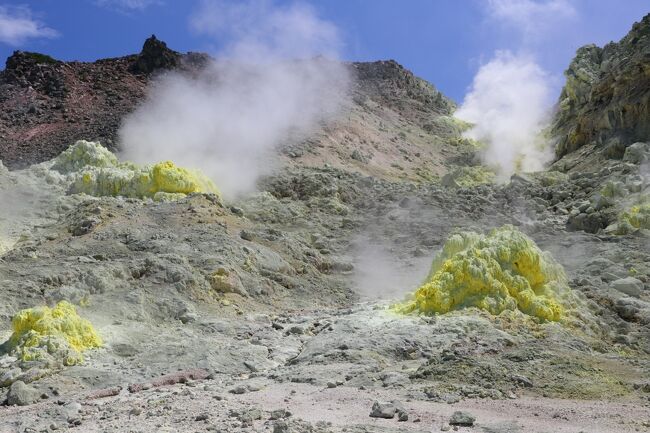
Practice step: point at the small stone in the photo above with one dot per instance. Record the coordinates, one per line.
(280, 427)
(402, 416)
(240, 389)
(462, 419)
(383, 410)
(522, 380)
(279, 414)
(21, 394)
(202, 417)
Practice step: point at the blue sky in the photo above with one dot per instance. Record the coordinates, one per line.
(443, 41)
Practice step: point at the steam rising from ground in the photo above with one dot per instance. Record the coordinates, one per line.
(509, 106)
(228, 120)
(511, 97)
(381, 273)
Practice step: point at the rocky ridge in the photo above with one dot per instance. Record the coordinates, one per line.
(605, 103)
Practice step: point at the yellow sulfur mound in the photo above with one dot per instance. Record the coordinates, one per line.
(501, 271)
(96, 171)
(57, 332)
(82, 154)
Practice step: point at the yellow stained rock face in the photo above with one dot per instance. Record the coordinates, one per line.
(501, 271)
(96, 171)
(57, 331)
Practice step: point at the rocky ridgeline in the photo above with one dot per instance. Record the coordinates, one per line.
(395, 84)
(46, 105)
(35, 70)
(606, 99)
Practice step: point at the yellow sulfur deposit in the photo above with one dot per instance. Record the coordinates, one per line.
(501, 271)
(469, 176)
(96, 171)
(83, 154)
(58, 332)
(637, 217)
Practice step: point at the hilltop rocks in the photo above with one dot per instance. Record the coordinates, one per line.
(36, 70)
(155, 55)
(392, 83)
(606, 98)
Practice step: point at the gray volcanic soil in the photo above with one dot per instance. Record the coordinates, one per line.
(296, 335)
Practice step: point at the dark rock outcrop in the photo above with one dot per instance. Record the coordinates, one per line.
(155, 55)
(606, 99)
(39, 71)
(393, 84)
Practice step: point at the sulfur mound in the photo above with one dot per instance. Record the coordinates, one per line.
(84, 154)
(501, 271)
(56, 334)
(96, 171)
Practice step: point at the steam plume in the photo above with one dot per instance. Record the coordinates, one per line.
(229, 119)
(508, 104)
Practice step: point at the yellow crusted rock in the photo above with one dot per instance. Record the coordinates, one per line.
(83, 154)
(468, 176)
(96, 171)
(58, 332)
(501, 271)
(637, 217)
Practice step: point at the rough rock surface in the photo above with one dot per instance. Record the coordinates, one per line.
(605, 103)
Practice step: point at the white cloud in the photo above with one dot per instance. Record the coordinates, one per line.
(127, 5)
(252, 29)
(509, 106)
(531, 17)
(17, 24)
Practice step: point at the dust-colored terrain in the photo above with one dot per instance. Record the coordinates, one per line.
(275, 312)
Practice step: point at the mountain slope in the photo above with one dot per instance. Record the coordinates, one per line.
(395, 125)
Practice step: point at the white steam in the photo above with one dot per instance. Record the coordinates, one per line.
(509, 105)
(381, 272)
(228, 120)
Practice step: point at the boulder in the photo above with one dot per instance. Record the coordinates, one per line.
(637, 153)
(629, 285)
(21, 394)
(463, 419)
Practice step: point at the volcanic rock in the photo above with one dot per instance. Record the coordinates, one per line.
(21, 394)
